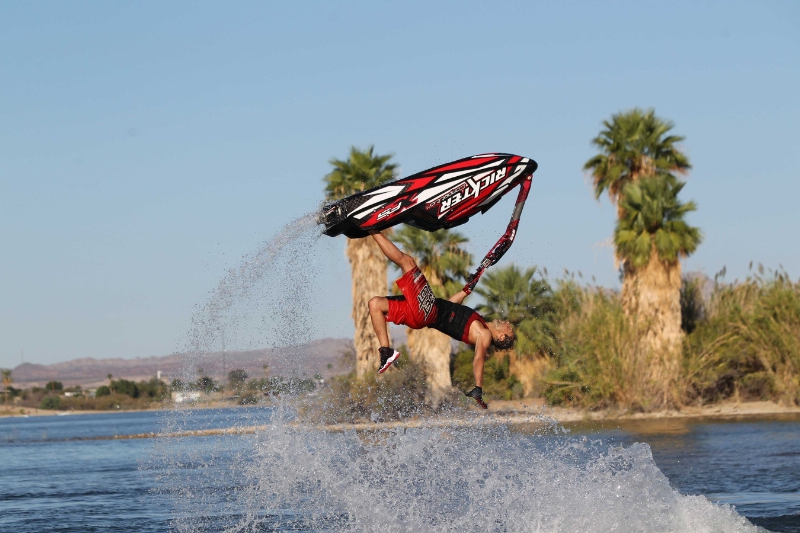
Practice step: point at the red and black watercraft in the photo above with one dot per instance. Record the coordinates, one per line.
(441, 197)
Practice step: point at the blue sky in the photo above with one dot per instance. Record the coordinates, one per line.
(146, 147)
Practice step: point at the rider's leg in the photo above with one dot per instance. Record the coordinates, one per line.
(378, 307)
(404, 261)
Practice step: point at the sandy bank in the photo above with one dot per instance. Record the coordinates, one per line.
(719, 410)
(528, 411)
(521, 412)
(35, 411)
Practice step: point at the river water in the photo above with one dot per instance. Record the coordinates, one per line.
(61, 473)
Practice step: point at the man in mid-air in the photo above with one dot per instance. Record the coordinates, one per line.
(417, 308)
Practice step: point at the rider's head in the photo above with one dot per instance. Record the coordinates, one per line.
(503, 337)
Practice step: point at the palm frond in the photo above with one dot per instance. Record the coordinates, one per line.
(524, 299)
(634, 144)
(361, 171)
(654, 220)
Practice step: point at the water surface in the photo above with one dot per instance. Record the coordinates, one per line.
(57, 476)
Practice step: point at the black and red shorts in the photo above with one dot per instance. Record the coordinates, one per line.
(417, 307)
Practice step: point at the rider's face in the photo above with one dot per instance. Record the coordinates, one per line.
(502, 327)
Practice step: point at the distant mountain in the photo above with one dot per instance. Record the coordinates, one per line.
(327, 357)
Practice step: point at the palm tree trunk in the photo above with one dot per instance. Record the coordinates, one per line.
(369, 279)
(651, 299)
(431, 348)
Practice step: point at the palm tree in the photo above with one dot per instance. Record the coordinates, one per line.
(6, 382)
(650, 239)
(636, 147)
(529, 304)
(446, 264)
(634, 144)
(110, 383)
(362, 170)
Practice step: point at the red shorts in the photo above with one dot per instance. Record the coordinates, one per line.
(417, 307)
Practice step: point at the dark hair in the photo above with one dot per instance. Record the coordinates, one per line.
(506, 343)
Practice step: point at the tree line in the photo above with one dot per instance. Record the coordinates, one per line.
(128, 394)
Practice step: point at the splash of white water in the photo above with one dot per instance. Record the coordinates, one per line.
(265, 302)
(287, 476)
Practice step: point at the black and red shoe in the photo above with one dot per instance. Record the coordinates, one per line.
(388, 356)
(477, 395)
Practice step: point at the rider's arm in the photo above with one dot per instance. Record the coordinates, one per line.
(482, 341)
(458, 297)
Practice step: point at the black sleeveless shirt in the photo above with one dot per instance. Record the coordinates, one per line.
(454, 319)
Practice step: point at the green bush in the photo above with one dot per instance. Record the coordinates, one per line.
(50, 402)
(208, 385)
(758, 386)
(250, 397)
(123, 386)
(394, 395)
(54, 386)
(154, 389)
(237, 378)
(279, 385)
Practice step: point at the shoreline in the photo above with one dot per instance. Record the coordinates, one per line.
(501, 411)
(535, 418)
(718, 410)
(531, 413)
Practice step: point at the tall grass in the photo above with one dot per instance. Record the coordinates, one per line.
(600, 355)
(742, 342)
(748, 345)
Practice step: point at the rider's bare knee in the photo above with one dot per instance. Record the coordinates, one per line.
(407, 263)
(374, 303)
